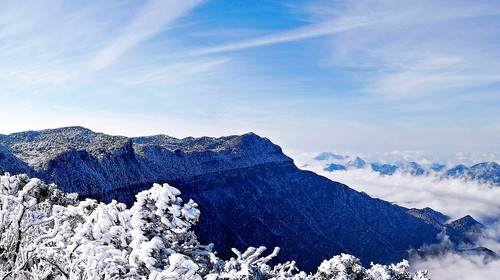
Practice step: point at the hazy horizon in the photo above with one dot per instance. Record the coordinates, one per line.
(302, 157)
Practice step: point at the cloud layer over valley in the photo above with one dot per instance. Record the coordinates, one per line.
(454, 197)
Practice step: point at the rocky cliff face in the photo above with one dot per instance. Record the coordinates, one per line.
(96, 164)
(248, 191)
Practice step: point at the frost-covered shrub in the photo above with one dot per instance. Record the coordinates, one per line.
(343, 266)
(93, 240)
(347, 267)
(46, 234)
(250, 265)
(25, 218)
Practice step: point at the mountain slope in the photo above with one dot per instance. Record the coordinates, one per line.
(249, 192)
(10, 163)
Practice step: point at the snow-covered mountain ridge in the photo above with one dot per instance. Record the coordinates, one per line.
(37, 148)
(251, 194)
(63, 155)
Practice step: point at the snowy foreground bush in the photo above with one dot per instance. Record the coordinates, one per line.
(46, 234)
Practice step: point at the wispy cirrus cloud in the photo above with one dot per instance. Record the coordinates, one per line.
(399, 50)
(439, 50)
(362, 15)
(175, 73)
(154, 17)
(50, 44)
(51, 54)
(431, 75)
(306, 32)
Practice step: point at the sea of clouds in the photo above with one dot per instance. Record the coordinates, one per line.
(451, 196)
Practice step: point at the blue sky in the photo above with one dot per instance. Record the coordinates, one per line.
(309, 75)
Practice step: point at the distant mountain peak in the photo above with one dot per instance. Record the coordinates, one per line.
(68, 129)
(356, 163)
(437, 166)
(468, 226)
(330, 156)
(487, 172)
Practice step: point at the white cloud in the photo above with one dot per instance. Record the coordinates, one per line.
(306, 32)
(154, 17)
(360, 15)
(430, 76)
(16, 20)
(453, 266)
(451, 196)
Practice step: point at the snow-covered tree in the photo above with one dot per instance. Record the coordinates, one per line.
(151, 240)
(348, 267)
(25, 217)
(163, 246)
(46, 234)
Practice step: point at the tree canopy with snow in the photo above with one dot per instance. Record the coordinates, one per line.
(48, 234)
